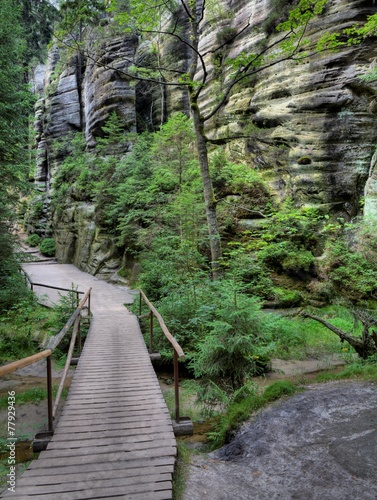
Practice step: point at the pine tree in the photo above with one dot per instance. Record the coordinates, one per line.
(15, 106)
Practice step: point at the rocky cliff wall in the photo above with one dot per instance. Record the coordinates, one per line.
(308, 127)
(314, 122)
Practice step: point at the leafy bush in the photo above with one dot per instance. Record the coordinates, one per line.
(352, 273)
(285, 256)
(287, 298)
(33, 240)
(47, 247)
(12, 285)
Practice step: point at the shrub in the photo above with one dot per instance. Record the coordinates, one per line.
(287, 298)
(33, 240)
(352, 273)
(285, 256)
(238, 343)
(47, 247)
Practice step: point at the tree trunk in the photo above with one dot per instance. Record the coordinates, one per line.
(364, 346)
(209, 199)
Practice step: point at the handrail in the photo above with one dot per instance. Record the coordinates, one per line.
(164, 328)
(178, 352)
(21, 363)
(56, 287)
(54, 342)
(33, 284)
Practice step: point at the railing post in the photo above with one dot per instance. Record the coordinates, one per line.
(49, 395)
(151, 332)
(140, 303)
(90, 293)
(79, 336)
(176, 386)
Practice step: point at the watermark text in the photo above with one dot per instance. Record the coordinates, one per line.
(11, 441)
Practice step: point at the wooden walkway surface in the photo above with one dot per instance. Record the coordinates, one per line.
(114, 438)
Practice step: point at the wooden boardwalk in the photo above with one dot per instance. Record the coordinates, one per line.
(114, 438)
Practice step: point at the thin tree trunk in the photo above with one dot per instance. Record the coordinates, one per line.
(209, 199)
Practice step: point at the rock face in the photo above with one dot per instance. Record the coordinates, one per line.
(320, 444)
(308, 127)
(314, 122)
(81, 98)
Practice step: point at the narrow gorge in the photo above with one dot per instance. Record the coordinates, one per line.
(307, 128)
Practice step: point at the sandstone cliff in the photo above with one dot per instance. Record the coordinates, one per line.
(309, 127)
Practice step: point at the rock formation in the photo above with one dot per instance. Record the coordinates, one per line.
(308, 127)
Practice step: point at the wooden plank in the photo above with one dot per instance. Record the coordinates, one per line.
(114, 433)
(150, 409)
(136, 464)
(125, 422)
(101, 392)
(97, 441)
(155, 495)
(109, 433)
(86, 493)
(116, 378)
(146, 443)
(135, 473)
(146, 401)
(114, 438)
(100, 458)
(94, 484)
(122, 422)
(86, 400)
(140, 408)
(113, 397)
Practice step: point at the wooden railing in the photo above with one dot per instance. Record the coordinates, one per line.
(178, 354)
(74, 321)
(32, 284)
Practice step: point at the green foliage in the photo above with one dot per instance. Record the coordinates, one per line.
(235, 176)
(287, 298)
(76, 16)
(361, 370)
(47, 247)
(181, 470)
(290, 237)
(12, 285)
(33, 395)
(279, 389)
(23, 326)
(15, 105)
(353, 272)
(285, 256)
(73, 177)
(226, 35)
(216, 400)
(17, 326)
(238, 342)
(158, 192)
(224, 333)
(278, 13)
(38, 18)
(33, 240)
(302, 14)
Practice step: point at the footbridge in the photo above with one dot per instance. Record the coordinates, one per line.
(114, 437)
